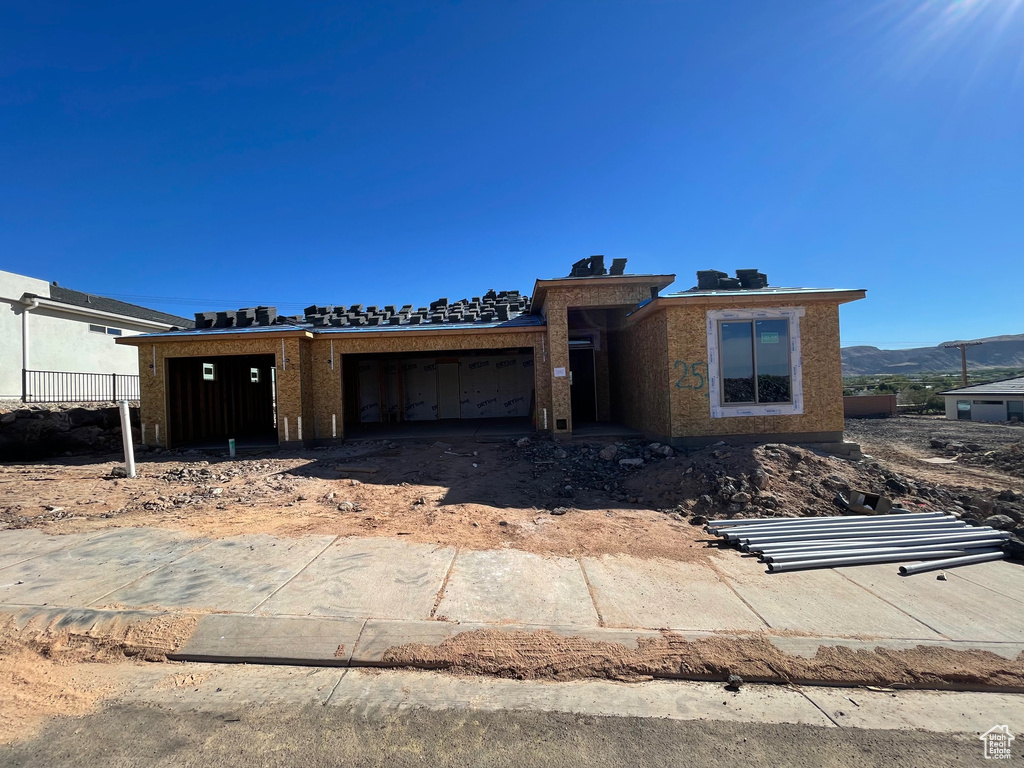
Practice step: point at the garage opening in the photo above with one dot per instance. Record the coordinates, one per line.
(213, 399)
(468, 386)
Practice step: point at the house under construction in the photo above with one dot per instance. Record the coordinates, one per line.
(731, 358)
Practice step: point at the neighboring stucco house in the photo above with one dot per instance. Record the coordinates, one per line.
(995, 401)
(45, 327)
(734, 359)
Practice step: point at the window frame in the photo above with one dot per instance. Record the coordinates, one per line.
(720, 409)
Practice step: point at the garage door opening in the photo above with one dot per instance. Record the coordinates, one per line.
(213, 399)
(426, 391)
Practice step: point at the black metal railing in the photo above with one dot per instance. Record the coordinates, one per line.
(69, 387)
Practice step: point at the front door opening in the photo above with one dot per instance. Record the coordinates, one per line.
(583, 384)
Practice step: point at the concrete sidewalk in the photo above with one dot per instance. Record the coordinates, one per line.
(300, 600)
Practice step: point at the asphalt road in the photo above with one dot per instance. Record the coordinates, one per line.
(313, 735)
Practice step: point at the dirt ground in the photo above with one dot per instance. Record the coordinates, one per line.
(42, 672)
(537, 495)
(550, 656)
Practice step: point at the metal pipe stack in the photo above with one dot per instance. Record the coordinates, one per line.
(793, 544)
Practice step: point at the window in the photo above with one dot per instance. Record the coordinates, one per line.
(208, 372)
(754, 362)
(113, 331)
(105, 330)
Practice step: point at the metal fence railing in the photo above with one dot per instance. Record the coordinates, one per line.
(69, 387)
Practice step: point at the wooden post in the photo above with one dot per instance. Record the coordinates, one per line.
(962, 346)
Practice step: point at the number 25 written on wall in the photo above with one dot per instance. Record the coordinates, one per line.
(694, 375)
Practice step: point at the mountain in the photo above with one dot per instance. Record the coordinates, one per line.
(994, 352)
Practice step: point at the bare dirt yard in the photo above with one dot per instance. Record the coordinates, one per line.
(589, 498)
(579, 498)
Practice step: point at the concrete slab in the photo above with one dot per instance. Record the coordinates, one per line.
(940, 711)
(367, 578)
(219, 688)
(630, 592)
(271, 640)
(370, 693)
(957, 608)
(79, 575)
(235, 574)
(509, 585)
(817, 602)
(1007, 579)
(807, 647)
(380, 635)
(18, 546)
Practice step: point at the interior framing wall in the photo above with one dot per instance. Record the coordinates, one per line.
(328, 387)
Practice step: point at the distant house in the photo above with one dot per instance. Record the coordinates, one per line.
(51, 337)
(730, 359)
(995, 401)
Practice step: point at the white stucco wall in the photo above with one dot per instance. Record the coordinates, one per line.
(950, 408)
(59, 340)
(12, 288)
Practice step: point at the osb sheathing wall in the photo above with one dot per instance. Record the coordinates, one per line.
(822, 375)
(327, 388)
(639, 358)
(153, 378)
(557, 302)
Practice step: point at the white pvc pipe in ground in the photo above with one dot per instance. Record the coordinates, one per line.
(126, 438)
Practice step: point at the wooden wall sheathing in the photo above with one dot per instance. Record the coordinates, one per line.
(557, 302)
(640, 374)
(153, 387)
(822, 375)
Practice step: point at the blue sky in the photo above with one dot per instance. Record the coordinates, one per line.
(207, 156)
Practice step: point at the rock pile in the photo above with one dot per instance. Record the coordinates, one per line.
(600, 468)
(42, 431)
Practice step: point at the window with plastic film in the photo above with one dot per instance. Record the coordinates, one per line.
(755, 363)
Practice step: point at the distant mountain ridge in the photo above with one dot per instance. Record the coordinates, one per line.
(994, 352)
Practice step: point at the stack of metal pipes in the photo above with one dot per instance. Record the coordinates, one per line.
(939, 539)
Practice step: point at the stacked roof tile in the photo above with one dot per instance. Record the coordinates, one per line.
(492, 307)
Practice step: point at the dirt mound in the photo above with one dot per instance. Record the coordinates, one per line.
(113, 639)
(547, 655)
(38, 677)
